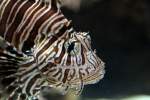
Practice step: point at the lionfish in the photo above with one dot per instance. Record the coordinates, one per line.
(39, 48)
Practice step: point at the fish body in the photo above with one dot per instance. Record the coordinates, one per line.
(39, 47)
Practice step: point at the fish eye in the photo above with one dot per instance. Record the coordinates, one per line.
(72, 48)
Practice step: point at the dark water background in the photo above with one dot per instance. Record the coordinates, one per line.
(120, 31)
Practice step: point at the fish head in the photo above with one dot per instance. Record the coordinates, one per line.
(75, 63)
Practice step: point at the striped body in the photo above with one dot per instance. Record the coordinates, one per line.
(23, 20)
(53, 53)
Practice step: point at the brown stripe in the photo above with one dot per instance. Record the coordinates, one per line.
(51, 41)
(92, 63)
(39, 13)
(32, 81)
(54, 4)
(87, 70)
(68, 60)
(81, 74)
(47, 67)
(56, 29)
(37, 26)
(16, 35)
(51, 70)
(16, 22)
(72, 75)
(5, 17)
(46, 47)
(50, 20)
(14, 12)
(30, 64)
(59, 59)
(65, 75)
(59, 72)
(82, 54)
(54, 22)
(54, 38)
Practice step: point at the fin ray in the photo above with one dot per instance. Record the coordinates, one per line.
(10, 61)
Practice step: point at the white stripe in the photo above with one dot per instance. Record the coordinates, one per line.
(33, 86)
(27, 15)
(60, 23)
(48, 23)
(32, 75)
(70, 30)
(49, 50)
(60, 45)
(42, 66)
(3, 7)
(58, 75)
(31, 25)
(18, 96)
(41, 46)
(29, 73)
(11, 12)
(64, 59)
(38, 92)
(13, 93)
(79, 59)
(21, 69)
(14, 17)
